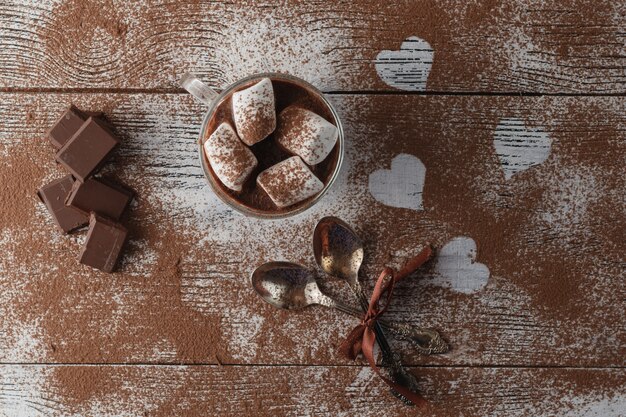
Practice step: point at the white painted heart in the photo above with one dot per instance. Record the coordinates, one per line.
(402, 185)
(457, 269)
(519, 147)
(408, 68)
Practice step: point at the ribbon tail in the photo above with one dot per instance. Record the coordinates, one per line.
(362, 338)
(352, 344)
(369, 339)
(414, 263)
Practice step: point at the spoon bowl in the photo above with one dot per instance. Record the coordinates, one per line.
(286, 285)
(338, 249)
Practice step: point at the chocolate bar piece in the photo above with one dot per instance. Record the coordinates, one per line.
(68, 124)
(104, 243)
(53, 195)
(100, 196)
(86, 151)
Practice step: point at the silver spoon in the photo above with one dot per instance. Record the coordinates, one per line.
(291, 286)
(339, 251)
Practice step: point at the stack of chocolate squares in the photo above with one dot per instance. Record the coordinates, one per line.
(84, 141)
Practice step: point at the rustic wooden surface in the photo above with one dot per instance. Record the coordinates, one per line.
(569, 47)
(539, 330)
(245, 390)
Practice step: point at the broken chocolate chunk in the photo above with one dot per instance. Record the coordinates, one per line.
(87, 150)
(100, 196)
(64, 128)
(53, 195)
(104, 243)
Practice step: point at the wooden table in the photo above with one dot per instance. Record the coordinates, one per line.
(497, 129)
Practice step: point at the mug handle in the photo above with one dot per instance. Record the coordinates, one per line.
(198, 89)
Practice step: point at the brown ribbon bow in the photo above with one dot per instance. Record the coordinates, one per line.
(362, 338)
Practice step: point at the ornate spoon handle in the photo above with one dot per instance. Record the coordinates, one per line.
(427, 341)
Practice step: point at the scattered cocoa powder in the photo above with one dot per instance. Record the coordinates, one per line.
(571, 275)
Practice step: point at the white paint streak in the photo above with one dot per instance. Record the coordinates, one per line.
(401, 186)
(308, 48)
(362, 383)
(407, 68)
(241, 326)
(525, 57)
(134, 398)
(457, 268)
(519, 147)
(23, 392)
(24, 341)
(330, 327)
(595, 406)
(567, 197)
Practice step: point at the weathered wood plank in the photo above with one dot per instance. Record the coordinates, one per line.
(290, 391)
(551, 237)
(569, 46)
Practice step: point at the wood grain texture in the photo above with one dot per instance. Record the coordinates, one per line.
(570, 46)
(523, 197)
(320, 391)
(182, 294)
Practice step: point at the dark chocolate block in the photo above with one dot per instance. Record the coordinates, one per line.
(68, 124)
(102, 197)
(104, 243)
(53, 196)
(87, 150)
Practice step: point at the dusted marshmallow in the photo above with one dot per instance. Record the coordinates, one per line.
(289, 182)
(230, 159)
(254, 112)
(306, 134)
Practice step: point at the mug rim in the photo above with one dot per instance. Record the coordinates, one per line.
(227, 198)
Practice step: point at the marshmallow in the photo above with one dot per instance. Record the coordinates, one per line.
(306, 134)
(230, 159)
(254, 112)
(289, 182)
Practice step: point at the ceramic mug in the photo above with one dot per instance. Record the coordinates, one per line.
(212, 99)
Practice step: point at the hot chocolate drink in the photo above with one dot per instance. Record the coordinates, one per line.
(287, 127)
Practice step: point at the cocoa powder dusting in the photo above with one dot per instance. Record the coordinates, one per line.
(295, 123)
(149, 312)
(554, 250)
(296, 133)
(255, 118)
(141, 312)
(267, 151)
